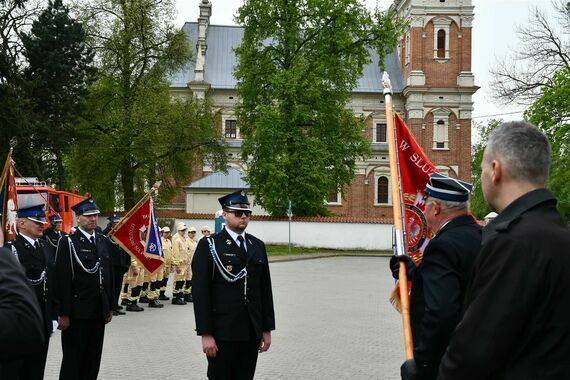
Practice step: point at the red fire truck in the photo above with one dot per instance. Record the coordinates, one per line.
(31, 191)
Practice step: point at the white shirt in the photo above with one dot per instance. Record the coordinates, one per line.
(88, 236)
(30, 240)
(235, 235)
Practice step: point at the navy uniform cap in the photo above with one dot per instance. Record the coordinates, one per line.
(448, 189)
(34, 213)
(86, 207)
(235, 201)
(114, 218)
(55, 218)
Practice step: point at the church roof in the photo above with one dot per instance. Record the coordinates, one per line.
(219, 180)
(221, 61)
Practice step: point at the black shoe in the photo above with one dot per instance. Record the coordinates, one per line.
(118, 312)
(155, 304)
(119, 308)
(144, 299)
(124, 302)
(134, 307)
(188, 298)
(178, 301)
(163, 297)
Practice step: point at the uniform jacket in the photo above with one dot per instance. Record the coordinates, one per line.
(35, 261)
(438, 289)
(220, 308)
(21, 323)
(180, 250)
(119, 258)
(167, 248)
(515, 324)
(80, 294)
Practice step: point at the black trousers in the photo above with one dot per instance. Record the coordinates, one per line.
(82, 345)
(118, 273)
(234, 360)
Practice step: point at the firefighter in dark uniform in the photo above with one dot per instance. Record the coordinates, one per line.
(34, 257)
(233, 301)
(121, 262)
(54, 232)
(84, 293)
(439, 282)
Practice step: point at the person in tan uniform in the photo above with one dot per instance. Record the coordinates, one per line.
(135, 279)
(167, 248)
(188, 277)
(180, 254)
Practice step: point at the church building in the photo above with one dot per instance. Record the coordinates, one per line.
(433, 87)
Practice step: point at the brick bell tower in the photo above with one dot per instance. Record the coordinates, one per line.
(435, 56)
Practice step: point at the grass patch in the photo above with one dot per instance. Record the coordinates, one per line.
(282, 250)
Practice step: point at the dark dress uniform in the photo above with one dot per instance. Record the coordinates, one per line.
(84, 289)
(234, 313)
(516, 322)
(35, 261)
(22, 329)
(121, 262)
(438, 289)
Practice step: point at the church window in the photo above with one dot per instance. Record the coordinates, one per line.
(440, 140)
(382, 190)
(441, 43)
(334, 197)
(380, 132)
(230, 129)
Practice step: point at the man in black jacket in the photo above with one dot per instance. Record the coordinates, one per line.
(517, 307)
(84, 293)
(233, 301)
(22, 329)
(34, 257)
(120, 261)
(439, 282)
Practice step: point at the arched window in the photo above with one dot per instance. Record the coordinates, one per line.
(441, 43)
(382, 190)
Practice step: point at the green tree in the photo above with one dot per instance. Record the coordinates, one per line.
(58, 73)
(15, 17)
(135, 133)
(297, 64)
(551, 113)
(479, 206)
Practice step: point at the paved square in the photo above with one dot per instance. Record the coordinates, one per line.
(333, 321)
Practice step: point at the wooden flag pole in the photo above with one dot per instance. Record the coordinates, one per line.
(397, 215)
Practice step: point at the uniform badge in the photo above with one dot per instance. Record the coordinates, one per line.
(228, 242)
(229, 268)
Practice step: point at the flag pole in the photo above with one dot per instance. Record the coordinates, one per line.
(397, 215)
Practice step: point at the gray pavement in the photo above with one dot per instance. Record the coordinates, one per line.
(333, 322)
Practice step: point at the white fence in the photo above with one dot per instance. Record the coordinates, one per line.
(347, 236)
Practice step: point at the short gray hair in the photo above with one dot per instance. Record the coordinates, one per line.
(450, 205)
(524, 150)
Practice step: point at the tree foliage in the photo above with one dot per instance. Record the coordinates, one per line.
(479, 206)
(544, 49)
(297, 64)
(57, 76)
(551, 112)
(135, 133)
(15, 17)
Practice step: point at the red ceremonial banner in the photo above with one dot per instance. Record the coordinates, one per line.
(132, 233)
(415, 169)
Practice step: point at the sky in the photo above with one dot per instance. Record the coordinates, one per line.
(494, 34)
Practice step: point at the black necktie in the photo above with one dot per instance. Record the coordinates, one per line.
(36, 245)
(92, 240)
(242, 246)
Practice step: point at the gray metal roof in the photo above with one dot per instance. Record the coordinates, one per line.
(221, 61)
(220, 180)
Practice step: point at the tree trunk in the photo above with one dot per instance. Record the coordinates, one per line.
(128, 184)
(60, 171)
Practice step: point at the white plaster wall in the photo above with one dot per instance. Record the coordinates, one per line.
(345, 236)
